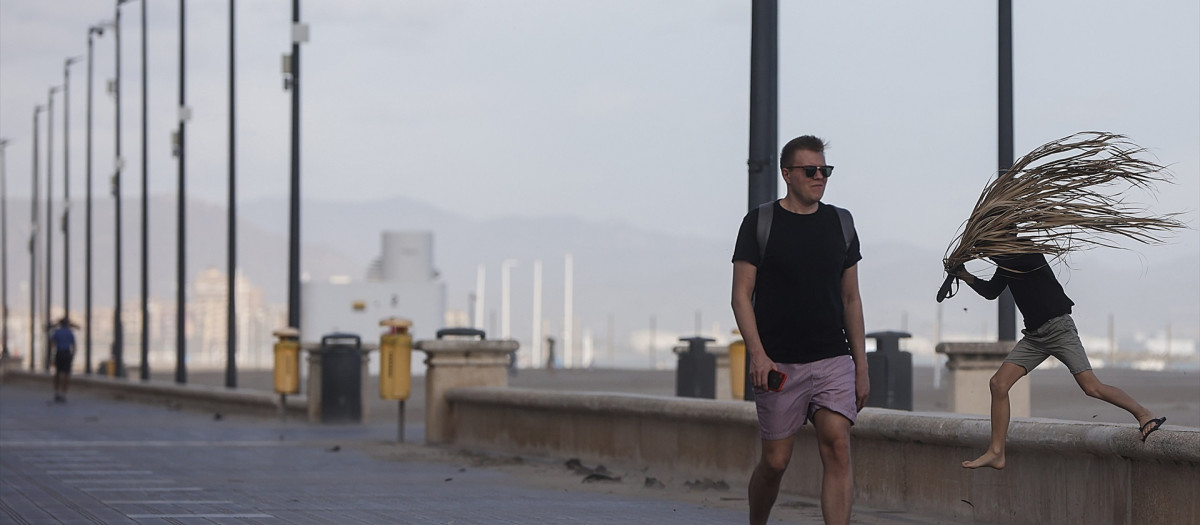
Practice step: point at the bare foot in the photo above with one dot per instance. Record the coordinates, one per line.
(988, 459)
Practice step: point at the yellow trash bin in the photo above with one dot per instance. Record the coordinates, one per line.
(287, 361)
(395, 359)
(737, 367)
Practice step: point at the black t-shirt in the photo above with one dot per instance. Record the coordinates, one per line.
(798, 288)
(1036, 291)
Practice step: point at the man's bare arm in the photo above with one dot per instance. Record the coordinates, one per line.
(744, 276)
(852, 317)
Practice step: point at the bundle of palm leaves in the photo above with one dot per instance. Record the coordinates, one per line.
(1066, 195)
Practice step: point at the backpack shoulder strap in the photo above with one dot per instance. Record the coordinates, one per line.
(766, 211)
(847, 225)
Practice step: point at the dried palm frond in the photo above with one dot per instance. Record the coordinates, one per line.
(1066, 195)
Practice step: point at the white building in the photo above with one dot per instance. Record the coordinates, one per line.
(400, 283)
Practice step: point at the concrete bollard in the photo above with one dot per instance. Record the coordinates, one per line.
(452, 363)
(971, 365)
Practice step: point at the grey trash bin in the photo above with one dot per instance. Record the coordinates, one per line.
(341, 378)
(890, 372)
(696, 372)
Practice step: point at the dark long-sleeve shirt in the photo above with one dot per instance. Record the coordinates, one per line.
(1035, 289)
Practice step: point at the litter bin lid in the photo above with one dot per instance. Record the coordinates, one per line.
(341, 339)
(698, 338)
(468, 332)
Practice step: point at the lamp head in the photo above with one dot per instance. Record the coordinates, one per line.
(72, 60)
(98, 29)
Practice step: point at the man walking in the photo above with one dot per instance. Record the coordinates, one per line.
(63, 342)
(797, 305)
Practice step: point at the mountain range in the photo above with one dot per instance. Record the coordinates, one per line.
(628, 282)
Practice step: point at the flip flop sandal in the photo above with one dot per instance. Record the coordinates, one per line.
(1158, 422)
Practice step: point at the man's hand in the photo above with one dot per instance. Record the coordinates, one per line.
(760, 367)
(961, 272)
(862, 386)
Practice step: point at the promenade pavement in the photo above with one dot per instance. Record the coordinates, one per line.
(99, 460)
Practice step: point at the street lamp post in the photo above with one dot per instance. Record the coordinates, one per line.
(66, 215)
(181, 225)
(145, 342)
(764, 102)
(231, 251)
(4, 243)
(299, 35)
(94, 31)
(1006, 313)
(118, 344)
(49, 218)
(34, 286)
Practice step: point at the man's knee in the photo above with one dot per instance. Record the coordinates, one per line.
(775, 459)
(999, 385)
(836, 448)
(773, 465)
(833, 436)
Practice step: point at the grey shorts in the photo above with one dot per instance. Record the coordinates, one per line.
(828, 384)
(1058, 337)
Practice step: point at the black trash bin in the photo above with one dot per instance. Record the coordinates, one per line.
(341, 378)
(696, 372)
(890, 372)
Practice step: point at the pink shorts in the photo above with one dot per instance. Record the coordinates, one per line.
(828, 384)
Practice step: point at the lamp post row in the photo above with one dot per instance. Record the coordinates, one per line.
(117, 360)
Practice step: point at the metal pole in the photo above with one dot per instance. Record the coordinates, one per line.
(66, 215)
(294, 219)
(34, 285)
(1007, 315)
(49, 297)
(764, 105)
(764, 116)
(181, 217)
(400, 424)
(4, 243)
(145, 365)
(87, 233)
(118, 350)
(231, 251)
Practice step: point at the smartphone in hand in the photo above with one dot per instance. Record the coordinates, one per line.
(775, 380)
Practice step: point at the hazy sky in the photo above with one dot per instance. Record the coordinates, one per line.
(633, 111)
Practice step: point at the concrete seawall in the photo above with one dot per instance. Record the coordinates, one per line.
(191, 397)
(1058, 471)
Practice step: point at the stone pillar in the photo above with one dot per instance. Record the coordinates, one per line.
(971, 366)
(452, 363)
(9, 362)
(313, 383)
(724, 388)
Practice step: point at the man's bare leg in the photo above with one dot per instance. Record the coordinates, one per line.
(1092, 386)
(837, 478)
(764, 483)
(1000, 383)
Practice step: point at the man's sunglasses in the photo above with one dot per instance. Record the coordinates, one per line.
(811, 171)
